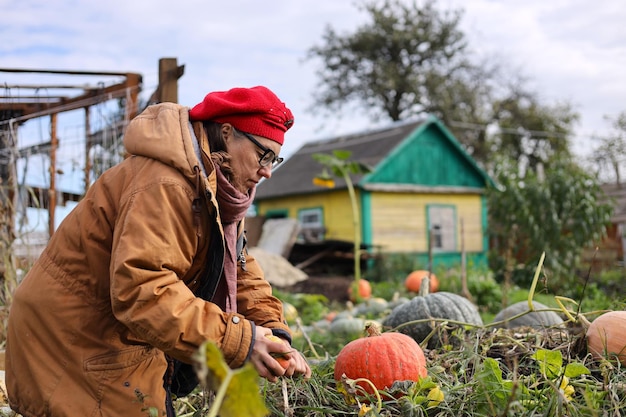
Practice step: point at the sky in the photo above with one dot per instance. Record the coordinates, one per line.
(570, 50)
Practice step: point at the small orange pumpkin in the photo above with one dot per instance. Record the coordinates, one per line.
(281, 358)
(413, 281)
(330, 316)
(606, 337)
(365, 290)
(381, 358)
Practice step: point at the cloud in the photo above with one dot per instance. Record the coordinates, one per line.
(571, 51)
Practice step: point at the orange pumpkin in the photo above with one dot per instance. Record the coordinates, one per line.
(331, 315)
(281, 358)
(381, 358)
(606, 337)
(365, 290)
(413, 281)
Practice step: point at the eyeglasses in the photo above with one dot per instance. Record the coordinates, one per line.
(268, 157)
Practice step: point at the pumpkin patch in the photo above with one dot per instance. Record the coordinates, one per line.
(466, 368)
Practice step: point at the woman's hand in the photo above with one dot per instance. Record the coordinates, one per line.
(273, 357)
(298, 365)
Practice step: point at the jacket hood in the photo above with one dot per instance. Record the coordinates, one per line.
(162, 132)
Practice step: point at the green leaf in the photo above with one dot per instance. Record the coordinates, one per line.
(347, 392)
(216, 368)
(355, 167)
(490, 373)
(550, 362)
(237, 390)
(342, 154)
(337, 171)
(242, 397)
(425, 384)
(492, 387)
(575, 369)
(323, 159)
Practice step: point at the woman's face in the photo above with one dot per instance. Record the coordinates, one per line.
(247, 171)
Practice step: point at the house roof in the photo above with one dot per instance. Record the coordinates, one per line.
(375, 149)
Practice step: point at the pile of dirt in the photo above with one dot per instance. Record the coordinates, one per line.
(283, 275)
(333, 287)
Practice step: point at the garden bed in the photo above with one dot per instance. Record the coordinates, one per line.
(500, 372)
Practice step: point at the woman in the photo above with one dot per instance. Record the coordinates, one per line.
(150, 264)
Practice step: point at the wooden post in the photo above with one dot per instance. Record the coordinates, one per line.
(431, 233)
(465, 292)
(52, 192)
(8, 199)
(133, 86)
(169, 73)
(87, 148)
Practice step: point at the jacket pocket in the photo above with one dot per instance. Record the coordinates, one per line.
(126, 382)
(120, 359)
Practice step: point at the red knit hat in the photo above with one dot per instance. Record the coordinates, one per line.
(253, 110)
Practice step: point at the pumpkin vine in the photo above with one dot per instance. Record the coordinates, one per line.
(339, 165)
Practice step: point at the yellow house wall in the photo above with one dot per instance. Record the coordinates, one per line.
(338, 216)
(399, 220)
(336, 209)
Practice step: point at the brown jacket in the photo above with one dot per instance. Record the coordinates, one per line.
(113, 292)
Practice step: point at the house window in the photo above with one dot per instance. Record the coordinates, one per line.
(277, 214)
(442, 227)
(311, 225)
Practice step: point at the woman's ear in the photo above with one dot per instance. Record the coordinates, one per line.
(226, 131)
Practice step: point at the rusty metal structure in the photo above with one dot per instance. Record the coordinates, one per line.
(15, 110)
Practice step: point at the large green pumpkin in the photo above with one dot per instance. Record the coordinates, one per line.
(535, 319)
(439, 305)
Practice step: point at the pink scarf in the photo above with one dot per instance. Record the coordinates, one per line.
(233, 205)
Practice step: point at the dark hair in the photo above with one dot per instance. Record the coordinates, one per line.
(219, 155)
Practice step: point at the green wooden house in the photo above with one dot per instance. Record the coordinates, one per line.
(424, 193)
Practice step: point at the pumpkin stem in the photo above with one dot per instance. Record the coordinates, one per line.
(372, 330)
(584, 321)
(425, 286)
